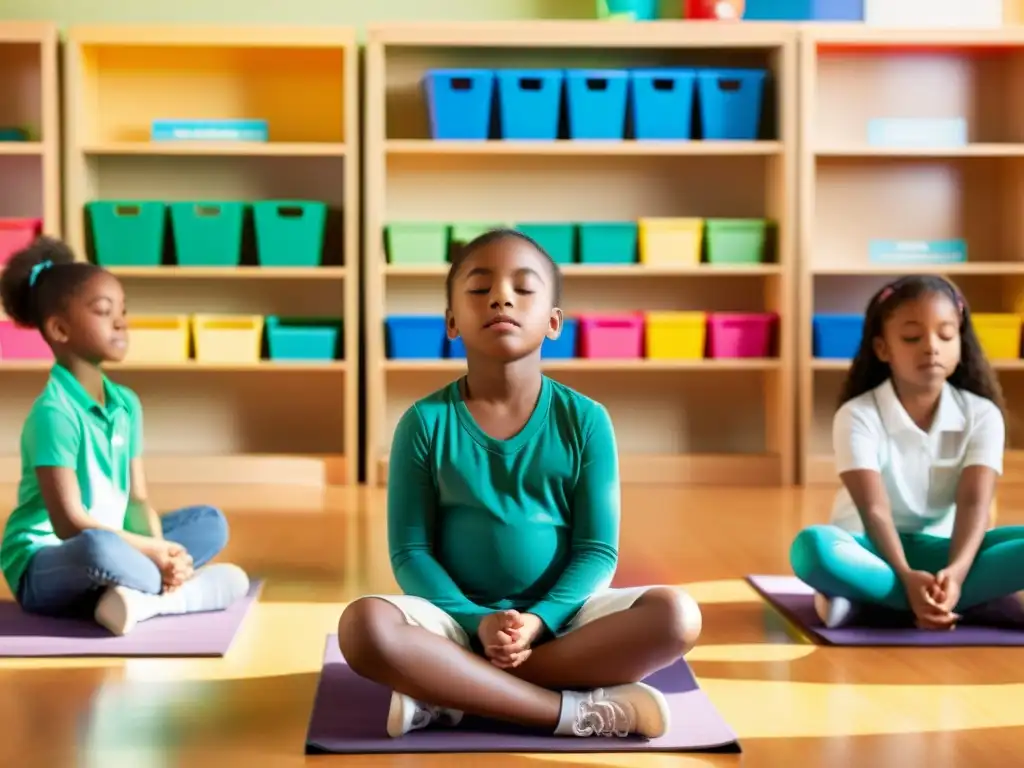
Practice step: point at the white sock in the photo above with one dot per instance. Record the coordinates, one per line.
(213, 588)
(567, 718)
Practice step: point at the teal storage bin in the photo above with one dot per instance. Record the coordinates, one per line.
(559, 240)
(412, 243)
(128, 233)
(289, 233)
(608, 242)
(464, 232)
(208, 234)
(296, 339)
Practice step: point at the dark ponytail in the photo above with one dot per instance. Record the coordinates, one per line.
(38, 280)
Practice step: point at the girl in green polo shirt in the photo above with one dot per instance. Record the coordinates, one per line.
(83, 540)
(503, 528)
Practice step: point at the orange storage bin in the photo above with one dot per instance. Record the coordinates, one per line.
(228, 339)
(158, 339)
(670, 242)
(676, 335)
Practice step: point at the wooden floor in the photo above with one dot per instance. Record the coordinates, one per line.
(792, 704)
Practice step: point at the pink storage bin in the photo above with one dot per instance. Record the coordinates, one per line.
(22, 343)
(612, 337)
(741, 334)
(16, 234)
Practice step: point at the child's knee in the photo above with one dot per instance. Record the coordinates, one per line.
(366, 633)
(215, 526)
(99, 549)
(806, 553)
(681, 616)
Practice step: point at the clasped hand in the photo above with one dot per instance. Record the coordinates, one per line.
(507, 637)
(933, 598)
(174, 562)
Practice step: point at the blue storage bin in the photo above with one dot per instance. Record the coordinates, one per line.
(662, 103)
(564, 347)
(730, 103)
(459, 102)
(837, 336)
(608, 242)
(596, 100)
(804, 10)
(415, 337)
(530, 103)
(298, 340)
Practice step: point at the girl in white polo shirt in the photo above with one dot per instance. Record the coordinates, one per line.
(919, 440)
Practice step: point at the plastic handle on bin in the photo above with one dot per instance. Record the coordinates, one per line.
(461, 84)
(530, 83)
(290, 211)
(663, 84)
(597, 84)
(207, 211)
(127, 210)
(728, 85)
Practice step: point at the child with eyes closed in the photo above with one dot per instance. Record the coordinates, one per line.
(919, 439)
(503, 526)
(84, 540)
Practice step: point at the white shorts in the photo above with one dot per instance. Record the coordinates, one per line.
(423, 613)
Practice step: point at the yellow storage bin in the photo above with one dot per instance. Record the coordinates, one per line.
(158, 339)
(670, 242)
(999, 335)
(228, 339)
(676, 335)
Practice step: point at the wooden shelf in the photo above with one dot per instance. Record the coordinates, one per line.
(22, 148)
(662, 409)
(582, 148)
(852, 192)
(218, 148)
(304, 82)
(230, 273)
(605, 366)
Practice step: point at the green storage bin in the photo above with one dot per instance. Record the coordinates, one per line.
(466, 231)
(559, 240)
(411, 243)
(208, 234)
(735, 241)
(608, 242)
(128, 233)
(289, 233)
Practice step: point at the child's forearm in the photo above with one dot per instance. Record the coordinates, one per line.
(881, 530)
(968, 532)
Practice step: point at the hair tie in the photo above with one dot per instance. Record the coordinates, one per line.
(37, 270)
(885, 294)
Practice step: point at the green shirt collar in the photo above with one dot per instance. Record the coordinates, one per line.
(67, 382)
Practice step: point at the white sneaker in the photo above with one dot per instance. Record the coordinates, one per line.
(406, 714)
(116, 610)
(623, 710)
(833, 612)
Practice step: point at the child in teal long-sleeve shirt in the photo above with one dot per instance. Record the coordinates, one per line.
(503, 527)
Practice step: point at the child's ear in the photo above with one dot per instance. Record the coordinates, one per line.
(449, 322)
(881, 349)
(555, 323)
(56, 330)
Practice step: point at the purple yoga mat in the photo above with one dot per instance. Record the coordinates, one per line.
(350, 717)
(999, 624)
(197, 634)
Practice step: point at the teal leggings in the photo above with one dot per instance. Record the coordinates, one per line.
(839, 564)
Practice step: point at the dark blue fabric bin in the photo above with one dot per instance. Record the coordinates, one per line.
(415, 337)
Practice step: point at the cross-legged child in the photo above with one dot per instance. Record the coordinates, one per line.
(503, 526)
(84, 540)
(919, 440)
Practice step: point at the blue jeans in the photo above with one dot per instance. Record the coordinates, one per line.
(67, 579)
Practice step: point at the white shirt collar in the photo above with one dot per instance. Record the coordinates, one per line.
(948, 418)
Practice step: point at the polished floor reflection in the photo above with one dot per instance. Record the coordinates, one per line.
(792, 703)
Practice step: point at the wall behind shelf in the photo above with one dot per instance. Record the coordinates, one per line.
(348, 12)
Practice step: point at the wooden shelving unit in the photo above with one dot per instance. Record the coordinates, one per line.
(853, 192)
(225, 423)
(705, 421)
(29, 170)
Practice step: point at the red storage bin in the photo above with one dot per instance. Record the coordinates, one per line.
(16, 234)
(741, 334)
(611, 337)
